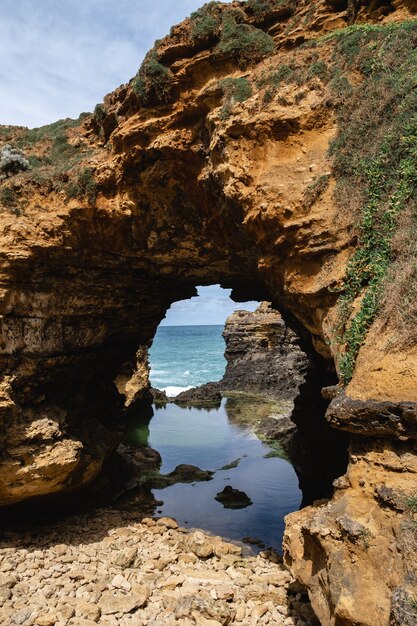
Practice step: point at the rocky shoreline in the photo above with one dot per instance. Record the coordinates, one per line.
(107, 567)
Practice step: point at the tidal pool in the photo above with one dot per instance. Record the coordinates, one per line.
(212, 439)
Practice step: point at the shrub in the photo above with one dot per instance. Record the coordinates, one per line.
(262, 7)
(242, 41)
(235, 90)
(319, 69)
(99, 113)
(205, 23)
(8, 197)
(84, 186)
(153, 82)
(12, 161)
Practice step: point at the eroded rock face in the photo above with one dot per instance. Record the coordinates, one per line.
(199, 189)
(263, 355)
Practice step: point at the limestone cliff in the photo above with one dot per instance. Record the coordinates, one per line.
(262, 354)
(268, 146)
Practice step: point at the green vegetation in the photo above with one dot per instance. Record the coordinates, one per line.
(245, 43)
(8, 197)
(262, 7)
(99, 112)
(239, 89)
(375, 154)
(316, 189)
(318, 68)
(371, 81)
(235, 90)
(85, 186)
(205, 23)
(53, 159)
(411, 503)
(154, 81)
(365, 537)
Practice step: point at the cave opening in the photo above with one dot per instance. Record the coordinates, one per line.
(203, 416)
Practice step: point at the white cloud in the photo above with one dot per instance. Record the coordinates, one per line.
(59, 58)
(212, 306)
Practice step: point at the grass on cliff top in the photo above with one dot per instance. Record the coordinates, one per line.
(54, 161)
(225, 27)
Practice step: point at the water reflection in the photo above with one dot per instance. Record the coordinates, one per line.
(214, 440)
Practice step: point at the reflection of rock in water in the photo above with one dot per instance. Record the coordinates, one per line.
(233, 498)
(181, 474)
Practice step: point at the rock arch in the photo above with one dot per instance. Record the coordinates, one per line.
(190, 191)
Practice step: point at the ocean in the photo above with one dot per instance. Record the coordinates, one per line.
(182, 357)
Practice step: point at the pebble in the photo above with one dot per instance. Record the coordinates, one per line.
(108, 567)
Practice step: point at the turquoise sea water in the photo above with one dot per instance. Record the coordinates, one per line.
(186, 356)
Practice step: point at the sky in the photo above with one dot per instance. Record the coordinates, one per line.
(211, 306)
(61, 57)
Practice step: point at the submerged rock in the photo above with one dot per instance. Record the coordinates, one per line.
(233, 498)
(181, 474)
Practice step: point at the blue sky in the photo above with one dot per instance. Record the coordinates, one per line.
(211, 306)
(60, 58)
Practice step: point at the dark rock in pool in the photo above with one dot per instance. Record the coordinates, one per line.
(207, 395)
(276, 426)
(233, 498)
(141, 460)
(159, 397)
(181, 474)
(254, 542)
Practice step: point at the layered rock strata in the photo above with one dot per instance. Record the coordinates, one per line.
(263, 354)
(201, 181)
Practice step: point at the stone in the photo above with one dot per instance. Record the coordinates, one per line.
(119, 582)
(200, 544)
(87, 610)
(125, 558)
(181, 474)
(233, 498)
(47, 619)
(111, 604)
